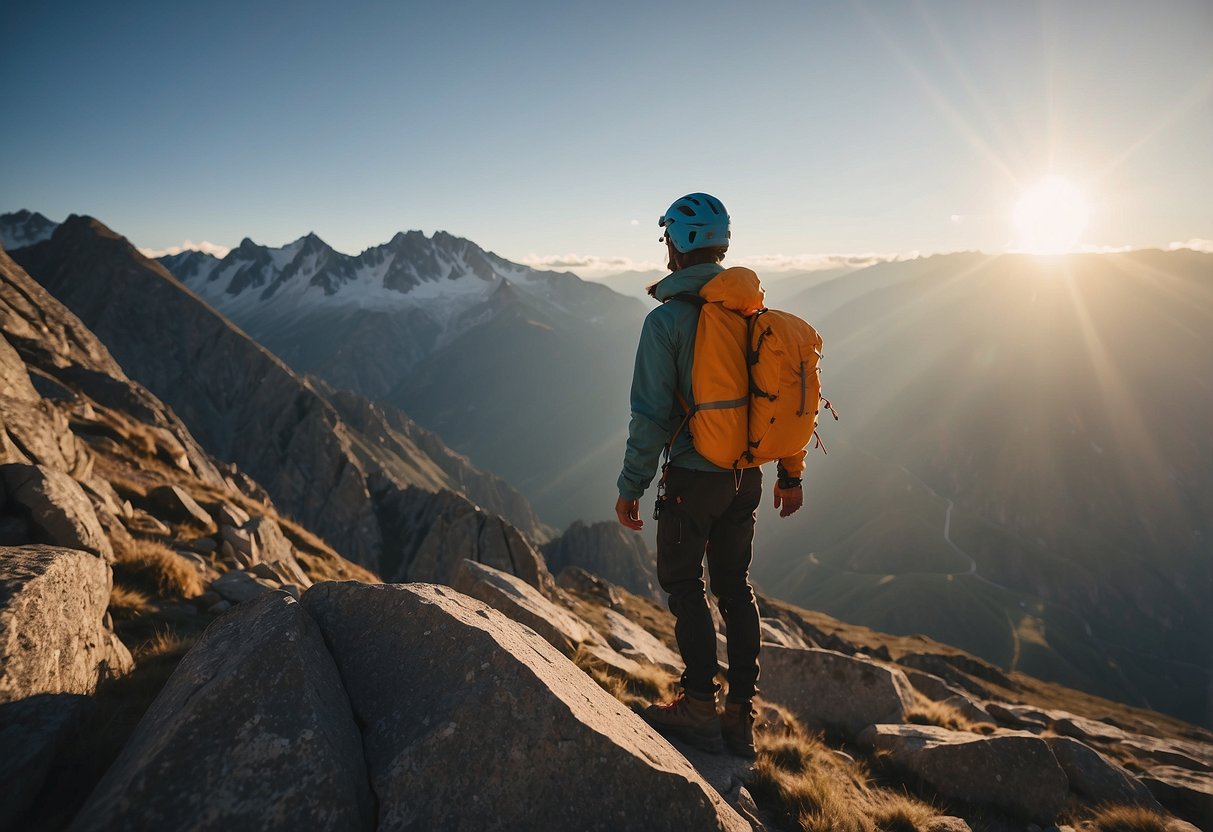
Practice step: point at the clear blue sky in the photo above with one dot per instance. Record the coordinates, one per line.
(548, 128)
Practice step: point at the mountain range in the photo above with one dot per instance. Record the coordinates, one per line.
(996, 481)
(475, 347)
(1022, 466)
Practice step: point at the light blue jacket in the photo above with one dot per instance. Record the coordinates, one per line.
(663, 365)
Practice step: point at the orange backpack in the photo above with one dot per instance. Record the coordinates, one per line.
(755, 375)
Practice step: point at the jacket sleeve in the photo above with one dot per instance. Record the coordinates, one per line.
(653, 385)
(792, 465)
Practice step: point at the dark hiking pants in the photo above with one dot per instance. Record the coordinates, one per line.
(707, 511)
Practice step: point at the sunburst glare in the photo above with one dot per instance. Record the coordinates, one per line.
(1050, 217)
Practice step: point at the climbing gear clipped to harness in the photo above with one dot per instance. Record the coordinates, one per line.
(696, 221)
(755, 378)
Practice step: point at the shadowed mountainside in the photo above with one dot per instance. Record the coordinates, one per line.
(246, 405)
(1022, 468)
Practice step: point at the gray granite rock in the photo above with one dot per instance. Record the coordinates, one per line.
(176, 504)
(825, 688)
(1014, 772)
(252, 731)
(59, 510)
(521, 602)
(608, 550)
(238, 586)
(1097, 778)
(464, 708)
(53, 637)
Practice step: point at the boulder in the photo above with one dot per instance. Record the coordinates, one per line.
(521, 602)
(822, 687)
(237, 586)
(575, 579)
(176, 504)
(53, 637)
(608, 550)
(1015, 772)
(1189, 754)
(473, 722)
(244, 548)
(252, 731)
(271, 543)
(426, 536)
(32, 733)
(58, 507)
(230, 515)
(1097, 778)
(637, 643)
(1188, 794)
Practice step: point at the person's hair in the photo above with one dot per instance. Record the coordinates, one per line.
(702, 255)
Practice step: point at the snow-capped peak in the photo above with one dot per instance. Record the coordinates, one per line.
(24, 228)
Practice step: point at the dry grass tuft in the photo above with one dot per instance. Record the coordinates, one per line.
(156, 570)
(320, 561)
(1124, 819)
(635, 690)
(814, 788)
(929, 712)
(127, 602)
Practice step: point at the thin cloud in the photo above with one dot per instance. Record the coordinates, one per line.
(189, 245)
(588, 265)
(1196, 244)
(819, 262)
(594, 266)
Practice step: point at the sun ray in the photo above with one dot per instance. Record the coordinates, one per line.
(1200, 93)
(937, 98)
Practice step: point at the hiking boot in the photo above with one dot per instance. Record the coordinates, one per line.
(737, 727)
(694, 721)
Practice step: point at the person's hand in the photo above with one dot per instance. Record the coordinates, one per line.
(788, 500)
(628, 512)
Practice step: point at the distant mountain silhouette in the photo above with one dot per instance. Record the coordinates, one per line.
(1052, 417)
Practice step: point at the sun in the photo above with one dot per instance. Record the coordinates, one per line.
(1050, 217)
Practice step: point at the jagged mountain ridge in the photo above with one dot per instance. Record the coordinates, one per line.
(24, 228)
(466, 342)
(240, 400)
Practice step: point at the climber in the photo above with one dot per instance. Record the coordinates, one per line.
(703, 507)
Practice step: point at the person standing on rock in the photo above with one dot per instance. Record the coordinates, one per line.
(702, 508)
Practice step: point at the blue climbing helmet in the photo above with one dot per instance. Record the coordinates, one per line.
(696, 221)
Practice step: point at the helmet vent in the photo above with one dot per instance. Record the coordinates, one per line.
(690, 212)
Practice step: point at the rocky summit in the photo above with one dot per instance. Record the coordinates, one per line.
(191, 640)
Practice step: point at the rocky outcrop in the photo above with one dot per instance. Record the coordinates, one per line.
(1187, 793)
(445, 676)
(405, 448)
(637, 643)
(521, 602)
(176, 503)
(59, 512)
(53, 636)
(1015, 772)
(822, 687)
(429, 535)
(1096, 778)
(241, 402)
(609, 551)
(252, 731)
